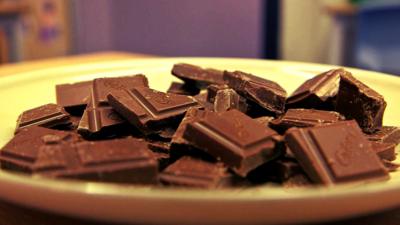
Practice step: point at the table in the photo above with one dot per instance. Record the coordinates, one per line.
(11, 214)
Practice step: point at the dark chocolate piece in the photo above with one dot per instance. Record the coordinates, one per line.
(183, 89)
(317, 92)
(228, 99)
(202, 100)
(266, 93)
(213, 89)
(49, 115)
(384, 150)
(195, 75)
(159, 146)
(121, 160)
(357, 101)
(305, 118)
(387, 134)
(74, 97)
(191, 172)
(277, 171)
(21, 151)
(335, 153)
(265, 120)
(238, 141)
(148, 109)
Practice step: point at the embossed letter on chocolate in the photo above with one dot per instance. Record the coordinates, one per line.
(237, 140)
(148, 109)
(266, 93)
(335, 153)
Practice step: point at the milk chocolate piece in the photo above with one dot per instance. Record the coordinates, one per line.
(191, 172)
(228, 99)
(21, 151)
(335, 153)
(74, 97)
(120, 160)
(265, 93)
(305, 118)
(148, 109)
(49, 115)
(387, 134)
(357, 101)
(213, 89)
(234, 138)
(195, 75)
(384, 150)
(318, 92)
(183, 89)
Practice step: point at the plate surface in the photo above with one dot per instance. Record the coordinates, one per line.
(124, 203)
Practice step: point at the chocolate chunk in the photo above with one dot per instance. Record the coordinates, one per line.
(387, 134)
(234, 138)
(159, 146)
(202, 100)
(183, 89)
(265, 120)
(384, 150)
(163, 160)
(335, 153)
(121, 160)
(317, 92)
(99, 119)
(195, 75)
(277, 171)
(20, 153)
(357, 101)
(305, 118)
(213, 89)
(49, 115)
(228, 99)
(74, 97)
(148, 109)
(390, 166)
(266, 93)
(191, 172)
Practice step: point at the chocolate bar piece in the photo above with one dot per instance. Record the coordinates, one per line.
(49, 115)
(277, 171)
(201, 98)
(318, 92)
(195, 75)
(74, 97)
(305, 118)
(191, 172)
(148, 109)
(238, 141)
(228, 99)
(265, 93)
(357, 101)
(384, 150)
(120, 160)
(213, 89)
(20, 153)
(387, 134)
(335, 153)
(183, 89)
(265, 120)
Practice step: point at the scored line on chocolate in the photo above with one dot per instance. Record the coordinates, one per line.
(42, 119)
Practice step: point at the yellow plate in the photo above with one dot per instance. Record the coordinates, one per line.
(124, 203)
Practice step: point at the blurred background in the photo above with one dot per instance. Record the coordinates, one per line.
(357, 33)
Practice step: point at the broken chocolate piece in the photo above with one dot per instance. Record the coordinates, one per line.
(318, 92)
(357, 101)
(265, 120)
(387, 134)
(335, 153)
(148, 109)
(213, 89)
(195, 75)
(265, 93)
(191, 172)
(202, 100)
(384, 150)
(74, 97)
(228, 99)
(238, 141)
(49, 115)
(183, 89)
(390, 166)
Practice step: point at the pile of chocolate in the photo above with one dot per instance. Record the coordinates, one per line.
(216, 129)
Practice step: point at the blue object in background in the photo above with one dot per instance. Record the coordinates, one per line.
(377, 44)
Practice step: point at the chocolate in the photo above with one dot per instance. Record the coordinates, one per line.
(305, 118)
(265, 120)
(386, 134)
(357, 101)
(213, 89)
(74, 97)
(183, 89)
(318, 92)
(276, 171)
(120, 160)
(335, 153)
(390, 166)
(234, 138)
(49, 115)
(297, 181)
(191, 172)
(201, 98)
(385, 151)
(227, 99)
(21, 151)
(195, 75)
(148, 109)
(265, 93)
